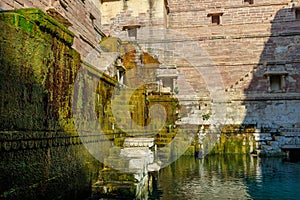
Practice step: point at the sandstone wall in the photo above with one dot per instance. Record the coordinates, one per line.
(82, 17)
(41, 153)
(119, 14)
(250, 40)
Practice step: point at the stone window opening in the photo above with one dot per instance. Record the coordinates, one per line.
(120, 71)
(167, 6)
(131, 31)
(248, 1)
(276, 83)
(215, 18)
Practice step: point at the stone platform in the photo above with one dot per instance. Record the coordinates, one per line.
(128, 170)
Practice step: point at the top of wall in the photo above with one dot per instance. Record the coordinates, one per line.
(47, 23)
(82, 16)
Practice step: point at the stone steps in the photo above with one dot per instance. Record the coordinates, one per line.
(273, 143)
(291, 134)
(242, 82)
(262, 137)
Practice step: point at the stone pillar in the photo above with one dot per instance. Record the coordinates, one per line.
(269, 84)
(283, 83)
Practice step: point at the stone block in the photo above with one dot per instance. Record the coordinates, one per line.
(266, 147)
(262, 136)
(280, 139)
(138, 163)
(274, 144)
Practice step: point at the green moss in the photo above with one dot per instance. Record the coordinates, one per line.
(27, 18)
(190, 151)
(232, 144)
(39, 68)
(110, 44)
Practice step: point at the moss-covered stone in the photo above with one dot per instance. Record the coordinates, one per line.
(25, 19)
(40, 151)
(38, 70)
(233, 144)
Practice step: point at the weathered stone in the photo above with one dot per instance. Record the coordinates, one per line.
(139, 142)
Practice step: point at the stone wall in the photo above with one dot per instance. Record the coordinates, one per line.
(42, 155)
(119, 16)
(238, 47)
(83, 18)
(249, 41)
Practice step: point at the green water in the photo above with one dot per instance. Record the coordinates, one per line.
(229, 177)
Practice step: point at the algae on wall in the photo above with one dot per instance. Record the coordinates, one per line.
(38, 67)
(41, 154)
(235, 139)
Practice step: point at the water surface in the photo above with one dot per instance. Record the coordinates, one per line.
(229, 177)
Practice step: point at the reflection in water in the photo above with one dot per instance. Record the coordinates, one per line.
(229, 177)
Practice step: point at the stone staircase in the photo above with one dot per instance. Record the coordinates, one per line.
(275, 142)
(246, 78)
(138, 55)
(175, 143)
(128, 107)
(243, 81)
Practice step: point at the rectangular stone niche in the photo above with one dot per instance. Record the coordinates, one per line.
(276, 78)
(215, 18)
(248, 1)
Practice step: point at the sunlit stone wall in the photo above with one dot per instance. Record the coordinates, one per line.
(248, 44)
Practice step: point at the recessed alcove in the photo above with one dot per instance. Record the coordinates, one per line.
(215, 18)
(276, 78)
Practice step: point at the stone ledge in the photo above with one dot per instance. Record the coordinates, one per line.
(28, 17)
(290, 146)
(139, 142)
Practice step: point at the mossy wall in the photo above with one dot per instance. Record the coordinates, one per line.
(170, 104)
(235, 139)
(38, 68)
(41, 156)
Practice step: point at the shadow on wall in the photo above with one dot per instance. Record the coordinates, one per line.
(272, 96)
(40, 158)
